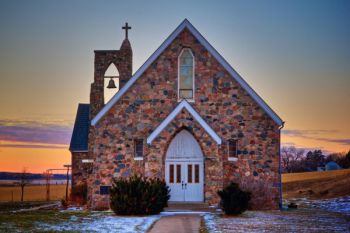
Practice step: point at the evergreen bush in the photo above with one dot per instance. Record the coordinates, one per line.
(138, 195)
(233, 200)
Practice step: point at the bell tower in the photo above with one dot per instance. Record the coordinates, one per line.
(122, 59)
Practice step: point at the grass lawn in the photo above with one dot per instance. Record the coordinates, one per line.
(31, 220)
(299, 220)
(72, 221)
(307, 218)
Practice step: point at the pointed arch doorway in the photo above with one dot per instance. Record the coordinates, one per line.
(184, 168)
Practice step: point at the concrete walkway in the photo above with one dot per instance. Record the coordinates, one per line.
(181, 223)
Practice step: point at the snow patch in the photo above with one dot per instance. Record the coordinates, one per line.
(210, 223)
(340, 204)
(102, 223)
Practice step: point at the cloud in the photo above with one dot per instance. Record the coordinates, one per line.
(33, 146)
(316, 135)
(288, 144)
(306, 149)
(35, 131)
(340, 141)
(306, 133)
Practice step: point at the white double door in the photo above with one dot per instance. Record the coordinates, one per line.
(185, 180)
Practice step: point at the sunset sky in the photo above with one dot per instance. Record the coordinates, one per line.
(295, 54)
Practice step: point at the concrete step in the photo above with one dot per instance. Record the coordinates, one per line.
(188, 207)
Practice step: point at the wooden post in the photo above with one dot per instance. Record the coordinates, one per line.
(47, 185)
(67, 183)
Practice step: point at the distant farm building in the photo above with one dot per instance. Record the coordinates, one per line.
(330, 166)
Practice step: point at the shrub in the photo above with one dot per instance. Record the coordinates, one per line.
(260, 192)
(233, 199)
(137, 195)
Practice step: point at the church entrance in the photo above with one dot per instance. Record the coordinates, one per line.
(184, 168)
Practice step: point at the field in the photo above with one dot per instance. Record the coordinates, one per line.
(290, 177)
(327, 184)
(316, 185)
(31, 193)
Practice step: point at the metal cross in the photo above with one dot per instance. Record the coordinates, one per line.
(126, 28)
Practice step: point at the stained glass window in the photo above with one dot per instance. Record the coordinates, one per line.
(186, 75)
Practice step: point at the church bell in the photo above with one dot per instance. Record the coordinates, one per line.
(111, 84)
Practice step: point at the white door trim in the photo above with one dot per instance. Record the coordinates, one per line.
(186, 184)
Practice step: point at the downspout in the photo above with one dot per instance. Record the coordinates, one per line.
(279, 165)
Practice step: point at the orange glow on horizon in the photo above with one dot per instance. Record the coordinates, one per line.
(35, 160)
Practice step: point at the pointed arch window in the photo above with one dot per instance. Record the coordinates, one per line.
(186, 75)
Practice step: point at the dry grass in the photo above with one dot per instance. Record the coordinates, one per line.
(32, 193)
(317, 185)
(292, 177)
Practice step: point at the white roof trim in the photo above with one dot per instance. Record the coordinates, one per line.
(218, 57)
(173, 114)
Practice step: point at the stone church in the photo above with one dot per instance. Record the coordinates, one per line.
(185, 116)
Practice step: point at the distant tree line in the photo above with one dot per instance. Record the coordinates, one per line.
(296, 160)
(32, 176)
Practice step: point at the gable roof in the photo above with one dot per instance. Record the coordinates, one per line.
(79, 141)
(174, 113)
(213, 52)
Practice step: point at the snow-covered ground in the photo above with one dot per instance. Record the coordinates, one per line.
(101, 222)
(104, 222)
(331, 215)
(277, 221)
(340, 204)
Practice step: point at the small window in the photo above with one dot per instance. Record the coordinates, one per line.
(138, 148)
(178, 173)
(104, 190)
(189, 173)
(196, 173)
(186, 75)
(171, 171)
(232, 148)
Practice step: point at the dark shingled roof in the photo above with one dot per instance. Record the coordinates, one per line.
(79, 141)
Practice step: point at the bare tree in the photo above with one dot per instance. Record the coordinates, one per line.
(291, 158)
(24, 180)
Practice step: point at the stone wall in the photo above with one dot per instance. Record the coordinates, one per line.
(79, 174)
(219, 99)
